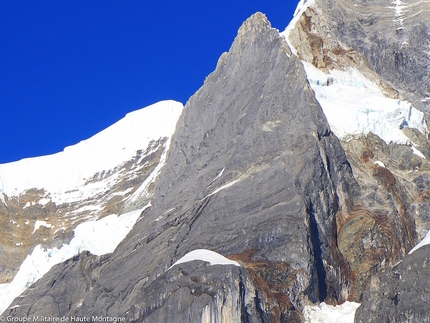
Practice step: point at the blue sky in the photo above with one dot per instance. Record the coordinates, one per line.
(69, 69)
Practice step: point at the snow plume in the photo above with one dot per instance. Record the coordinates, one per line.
(99, 237)
(355, 105)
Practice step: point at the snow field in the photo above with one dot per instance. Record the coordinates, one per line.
(354, 105)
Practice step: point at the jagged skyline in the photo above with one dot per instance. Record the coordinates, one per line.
(71, 70)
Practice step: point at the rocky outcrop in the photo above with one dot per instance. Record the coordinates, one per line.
(383, 227)
(254, 173)
(401, 293)
(392, 36)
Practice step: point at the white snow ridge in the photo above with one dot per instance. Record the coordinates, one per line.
(68, 170)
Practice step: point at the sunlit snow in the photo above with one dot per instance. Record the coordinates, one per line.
(324, 313)
(355, 105)
(222, 188)
(67, 171)
(379, 163)
(422, 243)
(39, 224)
(212, 257)
(99, 237)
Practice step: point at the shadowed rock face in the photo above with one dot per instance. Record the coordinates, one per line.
(253, 173)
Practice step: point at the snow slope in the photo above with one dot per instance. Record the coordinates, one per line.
(99, 237)
(68, 170)
(355, 105)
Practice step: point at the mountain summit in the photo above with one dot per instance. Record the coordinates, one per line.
(293, 188)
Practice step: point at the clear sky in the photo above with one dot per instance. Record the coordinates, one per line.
(69, 69)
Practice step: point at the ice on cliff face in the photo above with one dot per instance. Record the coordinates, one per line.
(99, 237)
(354, 105)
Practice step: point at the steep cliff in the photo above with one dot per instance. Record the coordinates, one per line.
(297, 175)
(253, 173)
(363, 60)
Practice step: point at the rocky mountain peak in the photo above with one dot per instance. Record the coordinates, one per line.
(252, 27)
(253, 173)
(296, 178)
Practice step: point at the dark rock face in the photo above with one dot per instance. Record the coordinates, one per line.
(253, 173)
(401, 293)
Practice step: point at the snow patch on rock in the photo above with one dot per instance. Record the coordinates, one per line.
(212, 257)
(422, 243)
(354, 105)
(39, 224)
(324, 313)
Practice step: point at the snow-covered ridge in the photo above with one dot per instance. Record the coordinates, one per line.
(99, 237)
(69, 169)
(301, 7)
(355, 105)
